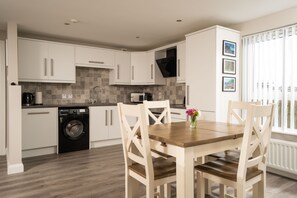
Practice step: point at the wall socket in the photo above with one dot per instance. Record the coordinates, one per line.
(64, 96)
(69, 96)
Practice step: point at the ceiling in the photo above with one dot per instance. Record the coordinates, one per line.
(117, 23)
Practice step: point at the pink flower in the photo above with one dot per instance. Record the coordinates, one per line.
(192, 112)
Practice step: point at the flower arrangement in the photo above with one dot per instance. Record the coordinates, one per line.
(193, 114)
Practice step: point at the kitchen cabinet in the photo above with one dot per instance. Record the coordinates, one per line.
(139, 69)
(144, 70)
(39, 128)
(43, 61)
(204, 71)
(180, 62)
(94, 57)
(104, 123)
(178, 115)
(121, 74)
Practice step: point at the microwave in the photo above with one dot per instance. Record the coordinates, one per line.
(140, 97)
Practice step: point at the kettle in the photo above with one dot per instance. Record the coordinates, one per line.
(27, 99)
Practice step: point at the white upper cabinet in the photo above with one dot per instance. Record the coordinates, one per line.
(121, 74)
(144, 70)
(42, 61)
(181, 62)
(139, 68)
(94, 57)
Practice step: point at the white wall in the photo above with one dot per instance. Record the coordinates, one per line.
(2, 98)
(279, 19)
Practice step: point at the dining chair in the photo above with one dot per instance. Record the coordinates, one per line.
(237, 111)
(162, 108)
(248, 171)
(139, 164)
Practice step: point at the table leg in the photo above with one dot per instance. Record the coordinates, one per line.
(185, 173)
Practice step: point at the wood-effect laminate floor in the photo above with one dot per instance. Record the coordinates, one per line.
(96, 173)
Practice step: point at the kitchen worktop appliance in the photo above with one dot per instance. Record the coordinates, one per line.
(140, 97)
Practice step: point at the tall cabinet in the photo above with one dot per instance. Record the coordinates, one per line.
(204, 73)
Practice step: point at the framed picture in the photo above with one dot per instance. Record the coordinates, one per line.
(229, 48)
(229, 66)
(229, 84)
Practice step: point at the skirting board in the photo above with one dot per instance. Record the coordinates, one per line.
(105, 143)
(15, 168)
(282, 173)
(39, 151)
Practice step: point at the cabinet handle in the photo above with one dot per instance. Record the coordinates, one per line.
(118, 72)
(52, 67)
(96, 62)
(175, 113)
(45, 67)
(37, 113)
(132, 72)
(151, 71)
(106, 117)
(188, 90)
(110, 117)
(178, 67)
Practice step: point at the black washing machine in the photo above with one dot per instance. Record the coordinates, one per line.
(73, 129)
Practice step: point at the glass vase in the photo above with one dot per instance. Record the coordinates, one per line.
(193, 122)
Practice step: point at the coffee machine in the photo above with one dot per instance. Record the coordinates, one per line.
(27, 99)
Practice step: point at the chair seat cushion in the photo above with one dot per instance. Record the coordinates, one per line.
(162, 168)
(232, 155)
(226, 169)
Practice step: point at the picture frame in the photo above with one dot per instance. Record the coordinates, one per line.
(228, 84)
(229, 48)
(229, 66)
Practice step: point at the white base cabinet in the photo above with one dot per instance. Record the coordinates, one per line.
(39, 128)
(104, 123)
(44, 61)
(178, 115)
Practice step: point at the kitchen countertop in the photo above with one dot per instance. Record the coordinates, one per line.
(177, 106)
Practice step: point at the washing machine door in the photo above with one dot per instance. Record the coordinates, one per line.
(74, 129)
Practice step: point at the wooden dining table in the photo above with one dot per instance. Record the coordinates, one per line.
(187, 144)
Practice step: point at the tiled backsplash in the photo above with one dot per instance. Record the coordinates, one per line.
(88, 78)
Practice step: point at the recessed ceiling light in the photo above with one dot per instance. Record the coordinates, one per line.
(74, 21)
(66, 23)
(179, 20)
(137, 37)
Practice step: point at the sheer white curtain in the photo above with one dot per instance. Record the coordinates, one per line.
(269, 73)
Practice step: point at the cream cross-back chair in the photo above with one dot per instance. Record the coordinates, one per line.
(163, 105)
(249, 170)
(139, 164)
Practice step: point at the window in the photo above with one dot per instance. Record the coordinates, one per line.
(270, 74)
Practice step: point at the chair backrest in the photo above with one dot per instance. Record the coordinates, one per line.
(164, 106)
(135, 139)
(256, 139)
(235, 108)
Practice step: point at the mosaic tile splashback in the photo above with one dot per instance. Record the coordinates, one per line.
(94, 83)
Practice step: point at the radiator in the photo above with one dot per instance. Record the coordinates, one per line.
(283, 156)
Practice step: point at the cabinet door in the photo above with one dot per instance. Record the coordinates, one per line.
(201, 70)
(181, 62)
(39, 128)
(33, 60)
(151, 66)
(139, 68)
(99, 123)
(94, 57)
(121, 74)
(61, 62)
(114, 123)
